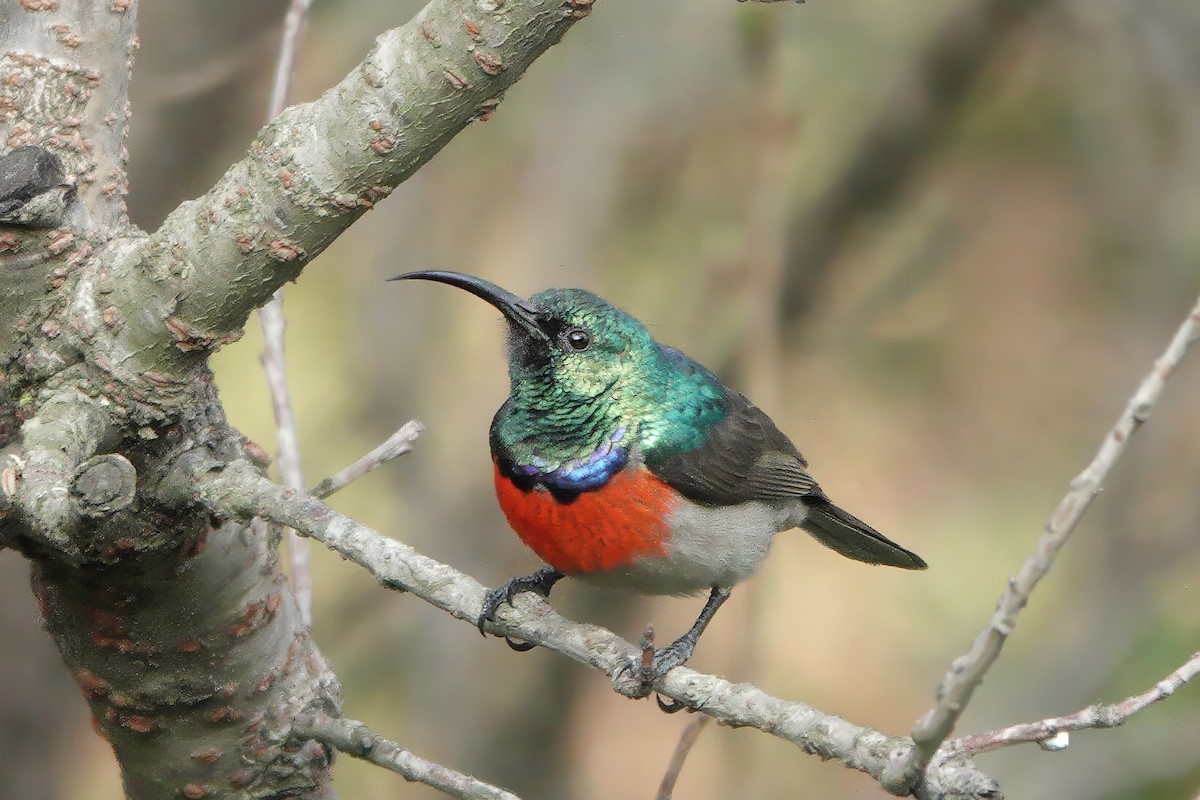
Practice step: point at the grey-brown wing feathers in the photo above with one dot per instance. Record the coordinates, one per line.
(746, 457)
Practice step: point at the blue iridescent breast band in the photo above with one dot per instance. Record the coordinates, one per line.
(581, 474)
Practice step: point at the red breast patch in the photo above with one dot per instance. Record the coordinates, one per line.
(599, 530)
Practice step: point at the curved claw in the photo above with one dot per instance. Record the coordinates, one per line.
(669, 706)
(540, 582)
(519, 646)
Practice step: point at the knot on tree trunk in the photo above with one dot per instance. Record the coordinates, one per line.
(104, 485)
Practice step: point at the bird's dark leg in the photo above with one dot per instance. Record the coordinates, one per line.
(680, 650)
(540, 582)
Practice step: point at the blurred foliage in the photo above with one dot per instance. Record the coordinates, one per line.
(961, 354)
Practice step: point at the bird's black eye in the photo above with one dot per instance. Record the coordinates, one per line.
(578, 339)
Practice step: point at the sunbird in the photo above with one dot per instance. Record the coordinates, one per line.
(623, 462)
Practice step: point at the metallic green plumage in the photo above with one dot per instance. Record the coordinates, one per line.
(565, 404)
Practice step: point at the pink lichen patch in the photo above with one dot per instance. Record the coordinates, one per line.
(120, 6)
(577, 9)
(256, 453)
(284, 250)
(473, 29)
(228, 690)
(9, 243)
(376, 192)
(39, 5)
(189, 646)
(136, 723)
(267, 682)
(108, 628)
(195, 791)
(251, 618)
(456, 80)
(489, 64)
(384, 144)
(65, 36)
(223, 714)
(274, 601)
(208, 755)
(59, 241)
(93, 686)
(486, 110)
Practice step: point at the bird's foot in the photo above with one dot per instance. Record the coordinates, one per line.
(654, 664)
(540, 582)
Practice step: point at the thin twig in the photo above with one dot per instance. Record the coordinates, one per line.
(687, 740)
(273, 326)
(397, 444)
(355, 739)
(289, 49)
(967, 671)
(1100, 715)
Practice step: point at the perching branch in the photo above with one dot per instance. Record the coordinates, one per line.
(355, 739)
(238, 490)
(396, 445)
(966, 673)
(1099, 715)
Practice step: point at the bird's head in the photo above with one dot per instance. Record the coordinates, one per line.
(564, 344)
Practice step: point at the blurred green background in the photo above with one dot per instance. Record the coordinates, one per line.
(938, 244)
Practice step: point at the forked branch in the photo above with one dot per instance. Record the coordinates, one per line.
(967, 671)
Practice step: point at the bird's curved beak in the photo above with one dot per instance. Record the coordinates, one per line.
(521, 313)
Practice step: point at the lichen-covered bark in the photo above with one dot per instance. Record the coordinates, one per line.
(318, 167)
(179, 626)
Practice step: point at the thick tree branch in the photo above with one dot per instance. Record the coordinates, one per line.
(355, 739)
(967, 671)
(238, 490)
(319, 166)
(1099, 715)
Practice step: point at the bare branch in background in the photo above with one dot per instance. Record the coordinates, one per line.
(355, 739)
(1099, 715)
(396, 445)
(687, 739)
(274, 325)
(966, 673)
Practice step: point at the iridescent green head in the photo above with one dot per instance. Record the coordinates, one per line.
(565, 345)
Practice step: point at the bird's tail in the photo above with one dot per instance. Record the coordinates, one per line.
(847, 534)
